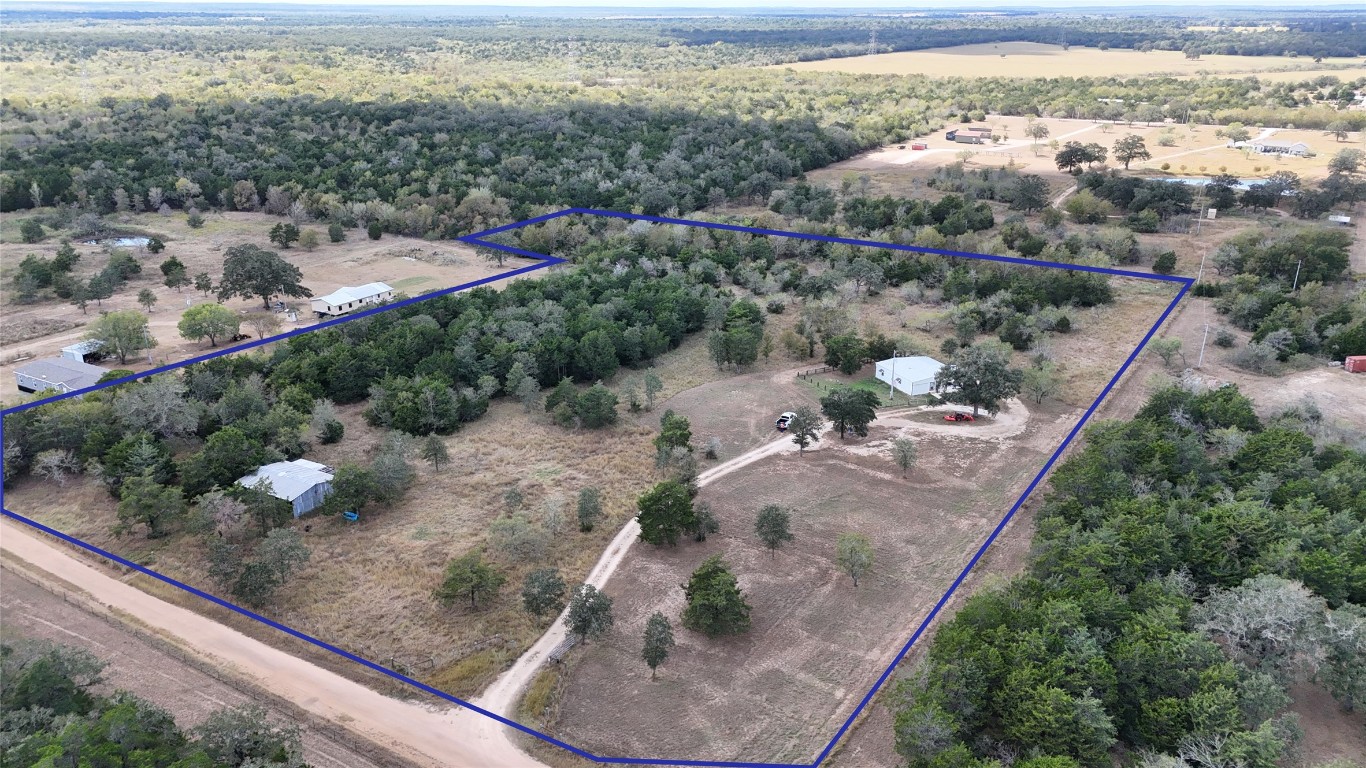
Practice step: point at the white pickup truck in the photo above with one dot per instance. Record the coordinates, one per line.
(784, 420)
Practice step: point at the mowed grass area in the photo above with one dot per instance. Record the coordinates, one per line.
(1019, 59)
(817, 642)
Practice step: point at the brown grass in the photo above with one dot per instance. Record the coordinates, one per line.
(1018, 59)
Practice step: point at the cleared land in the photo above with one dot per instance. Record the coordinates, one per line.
(1040, 60)
(140, 666)
(412, 266)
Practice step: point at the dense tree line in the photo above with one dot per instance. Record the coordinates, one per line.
(1188, 566)
(53, 716)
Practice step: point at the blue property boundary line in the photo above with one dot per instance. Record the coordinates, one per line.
(544, 261)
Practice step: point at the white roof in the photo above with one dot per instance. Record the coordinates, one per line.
(290, 479)
(911, 368)
(358, 293)
(74, 374)
(84, 347)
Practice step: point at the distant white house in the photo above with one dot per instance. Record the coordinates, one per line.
(304, 484)
(61, 374)
(1294, 149)
(912, 375)
(345, 300)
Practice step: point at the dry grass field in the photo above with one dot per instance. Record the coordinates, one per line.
(1019, 59)
(40, 329)
(779, 691)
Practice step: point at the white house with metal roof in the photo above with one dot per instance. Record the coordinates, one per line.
(910, 375)
(302, 483)
(345, 300)
(57, 373)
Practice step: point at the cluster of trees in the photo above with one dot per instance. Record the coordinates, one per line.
(1287, 287)
(54, 716)
(1188, 566)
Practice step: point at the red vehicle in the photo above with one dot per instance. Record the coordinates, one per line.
(959, 416)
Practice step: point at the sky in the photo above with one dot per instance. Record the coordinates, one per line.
(832, 6)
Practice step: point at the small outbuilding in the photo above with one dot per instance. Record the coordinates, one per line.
(84, 351)
(61, 374)
(304, 484)
(346, 300)
(911, 375)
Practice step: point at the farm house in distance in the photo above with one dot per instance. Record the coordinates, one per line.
(61, 374)
(346, 300)
(912, 375)
(974, 135)
(302, 483)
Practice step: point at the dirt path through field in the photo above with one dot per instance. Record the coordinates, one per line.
(420, 733)
(501, 696)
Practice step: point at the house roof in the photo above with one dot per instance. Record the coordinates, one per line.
(349, 294)
(910, 369)
(290, 479)
(73, 374)
(1280, 144)
(84, 347)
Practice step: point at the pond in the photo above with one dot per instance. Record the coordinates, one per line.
(120, 242)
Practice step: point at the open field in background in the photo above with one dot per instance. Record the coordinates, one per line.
(1194, 147)
(40, 329)
(1020, 59)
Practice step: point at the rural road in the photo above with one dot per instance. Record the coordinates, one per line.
(419, 733)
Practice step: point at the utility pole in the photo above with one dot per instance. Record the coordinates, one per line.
(1200, 362)
(872, 41)
(1295, 286)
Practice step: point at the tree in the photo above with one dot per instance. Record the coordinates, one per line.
(715, 604)
(674, 431)
(1131, 147)
(543, 592)
(980, 376)
(30, 231)
(597, 407)
(177, 280)
(1167, 349)
(308, 239)
(1165, 263)
(434, 451)
(263, 323)
(1041, 381)
(143, 500)
(845, 352)
(665, 512)
(247, 735)
(1028, 193)
(147, 299)
(468, 576)
(659, 639)
(55, 464)
(155, 245)
(653, 386)
(1346, 162)
(1036, 131)
(336, 232)
(375, 231)
(590, 613)
(1074, 154)
(589, 508)
(850, 410)
(773, 527)
(211, 321)
(805, 427)
(704, 522)
(853, 555)
(1235, 132)
(251, 271)
(904, 453)
(203, 283)
(1338, 129)
(122, 333)
(284, 235)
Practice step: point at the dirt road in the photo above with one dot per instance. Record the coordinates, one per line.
(423, 734)
(138, 665)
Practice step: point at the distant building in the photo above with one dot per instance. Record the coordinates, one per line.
(912, 375)
(973, 135)
(57, 373)
(302, 483)
(345, 300)
(84, 351)
(1294, 149)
